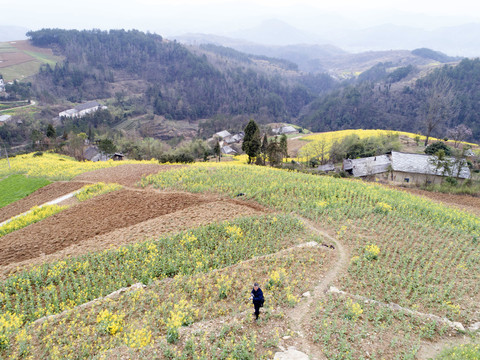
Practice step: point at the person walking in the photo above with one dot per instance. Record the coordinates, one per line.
(257, 299)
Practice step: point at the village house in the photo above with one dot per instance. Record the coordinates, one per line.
(227, 150)
(284, 130)
(82, 109)
(2, 85)
(225, 139)
(403, 168)
(221, 135)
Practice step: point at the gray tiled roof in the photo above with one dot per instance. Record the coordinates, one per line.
(87, 105)
(228, 150)
(370, 165)
(223, 134)
(404, 162)
(422, 164)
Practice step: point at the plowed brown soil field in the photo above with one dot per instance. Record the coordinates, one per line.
(41, 196)
(98, 216)
(194, 216)
(127, 175)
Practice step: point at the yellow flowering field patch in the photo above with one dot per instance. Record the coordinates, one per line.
(56, 167)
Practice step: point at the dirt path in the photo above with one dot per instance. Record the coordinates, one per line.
(300, 315)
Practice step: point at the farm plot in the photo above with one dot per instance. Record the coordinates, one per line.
(60, 167)
(184, 219)
(463, 202)
(183, 316)
(14, 58)
(404, 249)
(128, 175)
(94, 217)
(41, 196)
(16, 187)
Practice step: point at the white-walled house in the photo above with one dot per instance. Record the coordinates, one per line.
(82, 109)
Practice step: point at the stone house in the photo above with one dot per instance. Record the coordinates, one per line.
(404, 168)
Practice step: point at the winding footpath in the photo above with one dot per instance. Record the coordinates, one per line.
(300, 314)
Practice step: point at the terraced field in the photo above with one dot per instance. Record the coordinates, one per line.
(349, 270)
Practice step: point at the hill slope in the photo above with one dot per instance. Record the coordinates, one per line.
(180, 84)
(384, 102)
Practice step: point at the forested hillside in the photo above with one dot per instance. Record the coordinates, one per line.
(445, 98)
(181, 85)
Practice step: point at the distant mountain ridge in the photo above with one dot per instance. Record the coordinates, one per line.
(458, 40)
(324, 58)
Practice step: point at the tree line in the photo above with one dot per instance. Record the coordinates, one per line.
(445, 98)
(182, 85)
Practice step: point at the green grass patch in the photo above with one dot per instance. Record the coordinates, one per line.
(21, 71)
(46, 59)
(16, 187)
(469, 187)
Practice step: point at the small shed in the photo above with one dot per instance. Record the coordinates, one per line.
(118, 157)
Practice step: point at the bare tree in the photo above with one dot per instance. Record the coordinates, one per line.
(439, 104)
(459, 133)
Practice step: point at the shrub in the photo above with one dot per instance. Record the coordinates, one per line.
(432, 149)
(451, 181)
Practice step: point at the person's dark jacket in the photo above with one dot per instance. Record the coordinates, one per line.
(257, 296)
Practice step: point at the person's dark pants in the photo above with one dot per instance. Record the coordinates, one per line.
(257, 310)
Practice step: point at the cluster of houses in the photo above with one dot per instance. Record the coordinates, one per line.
(401, 168)
(82, 109)
(229, 142)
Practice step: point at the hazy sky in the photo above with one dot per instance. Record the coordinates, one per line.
(168, 17)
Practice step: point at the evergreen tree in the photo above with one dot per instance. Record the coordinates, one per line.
(274, 152)
(51, 133)
(284, 146)
(217, 151)
(252, 140)
(264, 148)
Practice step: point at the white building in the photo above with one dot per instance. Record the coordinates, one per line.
(285, 130)
(2, 85)
(82, 109)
